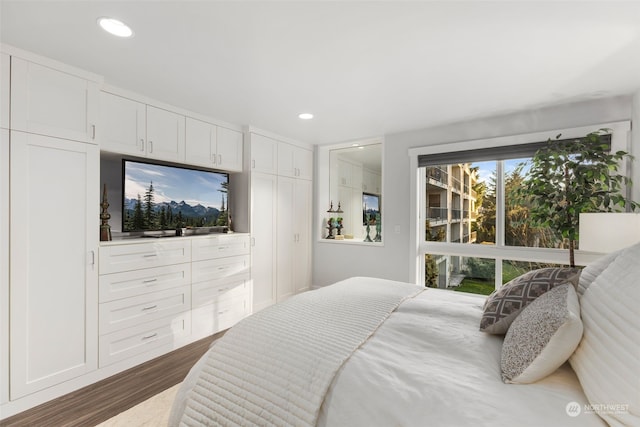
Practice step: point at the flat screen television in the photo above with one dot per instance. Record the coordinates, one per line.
(162, 197)
(370, 207)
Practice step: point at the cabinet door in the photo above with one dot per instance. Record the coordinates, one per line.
(263, 237)
(51, 102)
(286, 160)
(53, 275)
(229, 149)
(302, 212)
(304, 163)
(264, 154)
(122, 127)
(165, 134)
(5, 70)
(4, 265)
(200, 143)
(285, 237)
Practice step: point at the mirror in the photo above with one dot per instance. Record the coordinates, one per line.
(355, 188)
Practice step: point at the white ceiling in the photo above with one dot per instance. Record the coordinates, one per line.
(364, 69)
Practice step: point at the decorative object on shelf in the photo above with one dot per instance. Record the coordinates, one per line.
(338, 226)
(368, 238)
(339, 208)
(331, 227)
(378, 237)
(330, 207)
(105, 228)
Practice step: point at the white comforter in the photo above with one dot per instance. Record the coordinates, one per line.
(426, 365)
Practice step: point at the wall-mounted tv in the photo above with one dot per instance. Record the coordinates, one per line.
(370, 208)
(163, 197)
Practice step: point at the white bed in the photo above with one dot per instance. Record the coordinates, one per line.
(321, 359)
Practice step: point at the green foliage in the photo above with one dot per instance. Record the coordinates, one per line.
(570, 177)
(479, 268)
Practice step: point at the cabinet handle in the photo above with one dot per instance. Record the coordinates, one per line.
(253, 241)
(148, 337)
(219, 159)
(93, 258)
(93, 131)
(223, 312)
(253, 164)
(149, 255)
(226, 267)
(147, 282)
(223, 248)
(151, 307)
(150, 146)
(141, 144)
(213, 159)
(223, 289)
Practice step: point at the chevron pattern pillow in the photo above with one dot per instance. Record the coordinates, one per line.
(504, 304)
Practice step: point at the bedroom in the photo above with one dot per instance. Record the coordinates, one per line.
(597, 86)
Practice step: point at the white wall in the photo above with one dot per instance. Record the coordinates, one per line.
(635, 147)
(333, 262)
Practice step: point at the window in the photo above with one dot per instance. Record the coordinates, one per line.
(474, 233)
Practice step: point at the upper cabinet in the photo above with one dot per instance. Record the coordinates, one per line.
(51, 102)
(5, 71)
(295, 161)
(132, 127)
(213, 146)
(264, 154)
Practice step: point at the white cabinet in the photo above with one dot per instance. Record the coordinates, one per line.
(221, 290)
(123, 125)
(165, 134)
(371, 182)
(264, 199)
(264, 154)
(50, 102)
(213, 146)
(4, 265)
(54, 209)
(295, 161)
(280, 217)
(145, 299)
(5, 84)
(293, 237)
(132, 127)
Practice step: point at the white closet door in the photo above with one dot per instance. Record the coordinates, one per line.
(285, 238)
(54, 238)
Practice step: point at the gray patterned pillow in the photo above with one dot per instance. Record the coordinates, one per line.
(542, 337)
(504, 304)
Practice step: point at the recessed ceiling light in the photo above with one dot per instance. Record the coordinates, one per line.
(305, 116)
(115, 27)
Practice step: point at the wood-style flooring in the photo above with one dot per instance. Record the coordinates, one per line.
(98, 402)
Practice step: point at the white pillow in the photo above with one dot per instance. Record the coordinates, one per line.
(542, 337)
(606, 361)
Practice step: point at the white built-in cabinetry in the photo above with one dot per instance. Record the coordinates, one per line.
(5, 69)
(132, 127)
(157, 296)
(281, 213)
(53, 216)
(213, 146)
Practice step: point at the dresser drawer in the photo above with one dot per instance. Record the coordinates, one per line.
(118, 258)
(138, 282)
(129, 312)
(213, 269)
(210, 291)
(223, 314)
(223, 245)
(163, 333)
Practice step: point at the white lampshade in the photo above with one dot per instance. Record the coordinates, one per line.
(608, 231)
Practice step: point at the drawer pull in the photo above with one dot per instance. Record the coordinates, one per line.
(223, 289)
(149, 281)
(150, 255)
(223, 312)
(148, 337)
(224, 267)
(223, 248)
(151, 307)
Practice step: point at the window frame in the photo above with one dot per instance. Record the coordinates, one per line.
(620, 140)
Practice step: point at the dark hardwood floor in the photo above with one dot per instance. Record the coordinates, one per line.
(98, 402)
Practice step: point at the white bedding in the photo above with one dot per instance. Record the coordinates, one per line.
(428, 364)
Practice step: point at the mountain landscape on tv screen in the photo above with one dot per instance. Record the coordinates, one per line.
(170, 215)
